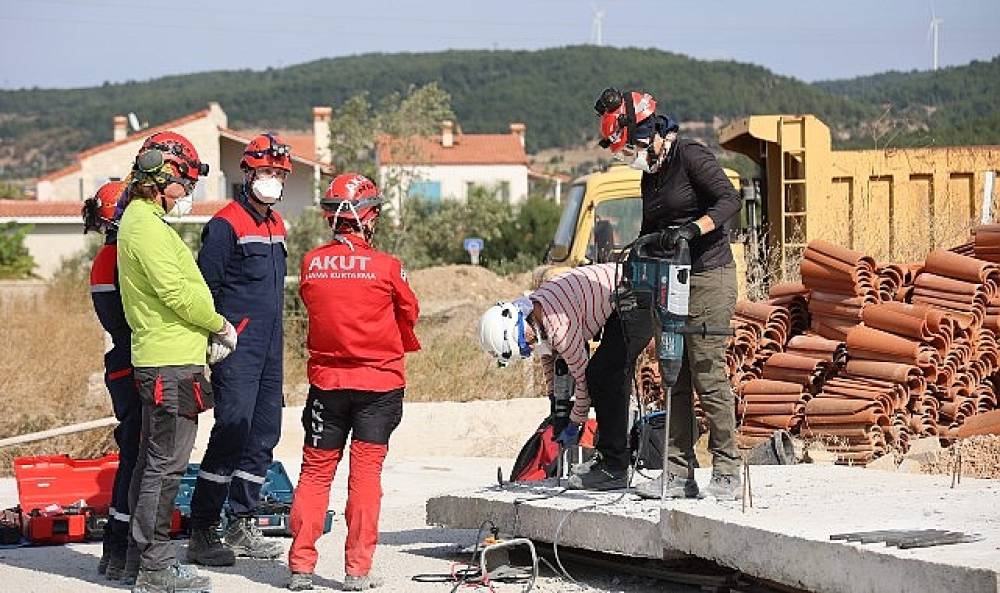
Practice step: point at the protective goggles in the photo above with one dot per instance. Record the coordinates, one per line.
(609, 101)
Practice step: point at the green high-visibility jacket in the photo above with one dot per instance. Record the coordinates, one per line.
(167, 303)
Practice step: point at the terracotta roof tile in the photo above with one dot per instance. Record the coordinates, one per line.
(33, 208)
(468, 149)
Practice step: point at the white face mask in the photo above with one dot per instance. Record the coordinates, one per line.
(268, 189)
(640, 163)
(182, 206)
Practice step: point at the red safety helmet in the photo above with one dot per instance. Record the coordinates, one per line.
(620, 117)
(267, 150)
(351, 200)
(99, 211)
(169, 147)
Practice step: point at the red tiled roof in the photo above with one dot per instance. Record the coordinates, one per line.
(468, 149)
(144, 134)
(26, 208)
(35, 209)
(109, 145)
(303, 145)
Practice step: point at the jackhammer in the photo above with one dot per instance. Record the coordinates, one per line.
(661, 276)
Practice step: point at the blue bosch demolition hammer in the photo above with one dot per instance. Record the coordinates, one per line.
(660, 275)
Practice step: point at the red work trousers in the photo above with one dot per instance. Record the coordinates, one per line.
(364, 503)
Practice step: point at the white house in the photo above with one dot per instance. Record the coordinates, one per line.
(447, 166)
(57, 231)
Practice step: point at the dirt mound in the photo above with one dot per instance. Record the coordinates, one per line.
(463, 283)
(980, 458)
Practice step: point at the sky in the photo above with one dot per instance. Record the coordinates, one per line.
(74, 43)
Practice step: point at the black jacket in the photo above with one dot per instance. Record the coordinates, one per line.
(690, 185)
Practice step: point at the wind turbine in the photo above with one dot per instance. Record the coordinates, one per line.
(597, 27)
(932, 32)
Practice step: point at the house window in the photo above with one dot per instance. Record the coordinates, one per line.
(503, 189)
(426, 190)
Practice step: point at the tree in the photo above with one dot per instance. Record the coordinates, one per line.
(15, 259)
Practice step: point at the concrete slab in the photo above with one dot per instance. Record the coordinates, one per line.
(785, 536)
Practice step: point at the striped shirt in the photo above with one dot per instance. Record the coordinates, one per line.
(575, 306)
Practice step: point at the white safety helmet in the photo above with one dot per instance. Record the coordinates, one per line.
(501, 331)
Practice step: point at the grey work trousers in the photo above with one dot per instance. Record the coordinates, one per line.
(703, 370)
(167, 440)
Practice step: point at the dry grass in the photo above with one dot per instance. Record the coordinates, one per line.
(980, 458)
(50, 375)
(52, 344)
(450, 366)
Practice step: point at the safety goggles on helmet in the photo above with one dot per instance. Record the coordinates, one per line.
(274, 149)
(175, 152)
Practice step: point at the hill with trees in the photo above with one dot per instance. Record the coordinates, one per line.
(551, 90)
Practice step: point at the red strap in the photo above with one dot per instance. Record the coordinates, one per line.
(120, 373)
(158, 391)
(242, 326)
(197, 393)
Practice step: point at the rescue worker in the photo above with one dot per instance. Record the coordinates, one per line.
(99, 215)
(173, 320)
(556, 321)
(685, 194)
(361, 318)
(242, 258)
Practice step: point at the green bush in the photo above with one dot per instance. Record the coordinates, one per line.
(15, 260)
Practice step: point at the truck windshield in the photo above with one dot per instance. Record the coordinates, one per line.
(616, 224)
(567, 224)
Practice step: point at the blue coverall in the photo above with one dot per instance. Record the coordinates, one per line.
(243, 261)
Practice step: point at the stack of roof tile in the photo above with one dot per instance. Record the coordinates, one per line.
(896, 280)
(765, 405)
(795, 297)
(814, 346)
(957, 284)
(759, 330)
(842, 282)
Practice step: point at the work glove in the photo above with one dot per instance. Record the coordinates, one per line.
(222, 343)
(569, 436)
(670, 237)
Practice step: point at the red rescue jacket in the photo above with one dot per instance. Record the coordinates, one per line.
(361, 317)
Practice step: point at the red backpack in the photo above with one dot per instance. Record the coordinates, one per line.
(538, 457)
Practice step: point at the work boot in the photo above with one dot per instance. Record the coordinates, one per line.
(301, 581)
(102, 564)
(131, 570)
(362, 583)
(725, 487)
(677, 487)
(245, 538)
(116, 567)
(172, 579)
(599, 478)
(207, 549)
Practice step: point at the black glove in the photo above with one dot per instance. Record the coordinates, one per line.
(670, 237)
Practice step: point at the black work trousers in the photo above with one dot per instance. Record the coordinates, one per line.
(610, 374)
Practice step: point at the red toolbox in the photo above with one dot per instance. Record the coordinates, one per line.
(58, 495)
